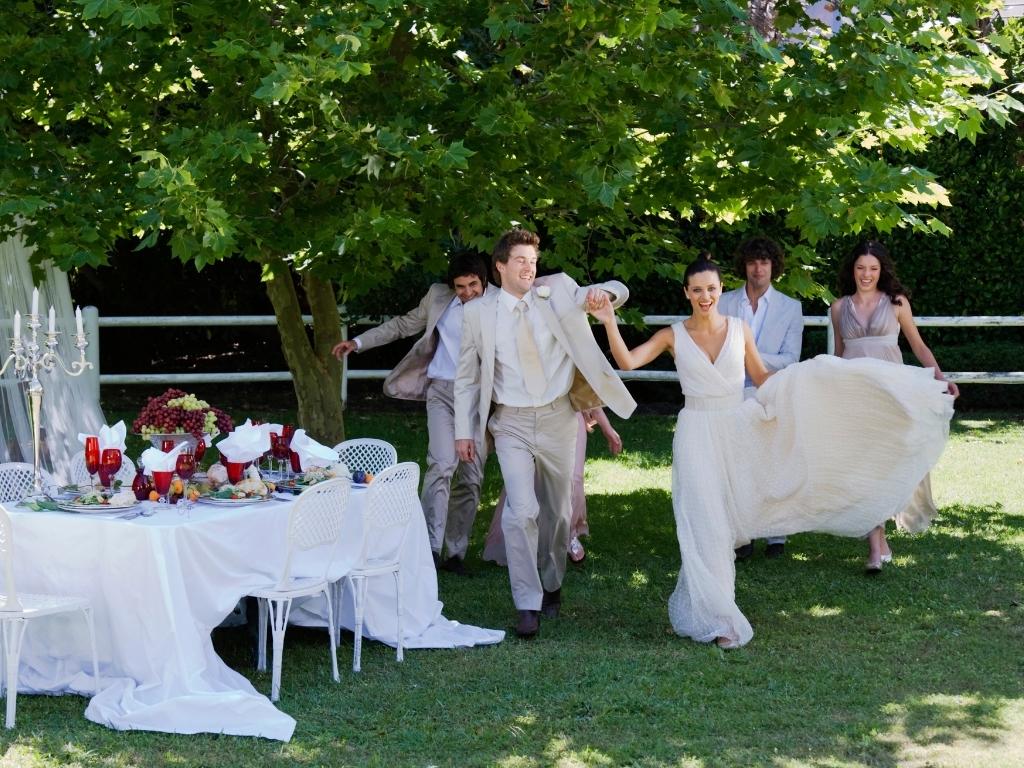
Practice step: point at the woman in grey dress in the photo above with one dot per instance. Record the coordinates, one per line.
(867, 321)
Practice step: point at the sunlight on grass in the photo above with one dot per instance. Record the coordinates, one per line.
(821, 612)
(638, 579)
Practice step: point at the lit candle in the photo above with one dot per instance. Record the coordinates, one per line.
(17, 324)
(35, 302)
(78, 321)
(53, 321)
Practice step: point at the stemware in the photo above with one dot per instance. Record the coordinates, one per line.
(200, 449)
(274, 438)
(110, 463)
(186, 467)
(92, 457)
(296, 462)
(167, 445)
(284, 443)
(162, 483)
(234, 469)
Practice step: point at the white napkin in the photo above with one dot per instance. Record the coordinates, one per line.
(110, 437)
(311, 453)
(246, 443)
(268, 428)
(156, 460)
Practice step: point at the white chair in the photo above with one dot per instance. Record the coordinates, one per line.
(16, 480)
(368, 454)
(80, 475)
(15, 611)
(391, 500)
(314, 521)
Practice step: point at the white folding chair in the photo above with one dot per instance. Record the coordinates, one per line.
(314, 521)
(16, 480)
(368, 454)
(15, 611)
(80, 475)
(391, 500)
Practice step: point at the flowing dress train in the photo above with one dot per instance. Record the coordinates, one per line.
(827, 445)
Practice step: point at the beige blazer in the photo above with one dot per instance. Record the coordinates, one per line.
(408, 380)
(567, 320)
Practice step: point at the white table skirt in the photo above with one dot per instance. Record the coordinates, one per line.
(159, 585)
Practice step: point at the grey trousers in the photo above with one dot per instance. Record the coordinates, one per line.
(536, 449)
(451, 489)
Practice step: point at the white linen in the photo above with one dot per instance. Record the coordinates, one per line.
(108, 437)
(246, 443)
(160, 584)
(311, 453)
(155, 460)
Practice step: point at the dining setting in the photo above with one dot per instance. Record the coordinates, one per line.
(161, 547)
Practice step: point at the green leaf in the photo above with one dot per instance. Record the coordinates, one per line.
(140, 16)
(99, 9)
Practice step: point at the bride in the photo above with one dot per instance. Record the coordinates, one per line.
(830, 445)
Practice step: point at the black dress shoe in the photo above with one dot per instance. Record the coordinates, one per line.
(528, 624)
(773, 551)
(437, 560)
(744, 552)
(455, 565)
(551, 604)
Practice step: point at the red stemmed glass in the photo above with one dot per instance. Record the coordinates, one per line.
(186, 467)
(110, 463)
(296, 462)
(92, 456)
(283, 449)
(234, 469)
(166, 446)
(200, 450)
(274, 438)
(162, 483)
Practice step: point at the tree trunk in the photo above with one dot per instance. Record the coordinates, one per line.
(316, 374)
(762, 17)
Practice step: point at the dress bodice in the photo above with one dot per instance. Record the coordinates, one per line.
(878, 337)
(706, 384)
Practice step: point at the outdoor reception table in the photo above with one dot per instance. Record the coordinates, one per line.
(160, 584)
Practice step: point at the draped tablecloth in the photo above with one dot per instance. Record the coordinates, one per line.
(159, 585)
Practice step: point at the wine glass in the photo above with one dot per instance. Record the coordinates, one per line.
(92, 457)
(110, 463)
(283, 448)
(234, 469)
(200, 449)
(167, 445)
(186, 467)
(162, 483)
(274, 439)
(295, 461)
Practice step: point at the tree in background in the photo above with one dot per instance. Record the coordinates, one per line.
(335, 143)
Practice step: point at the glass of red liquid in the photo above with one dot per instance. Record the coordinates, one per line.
(274, 438)
(235, 469)
(162, 484)
(296, 463)
(283, 448)
(166, 445)
(186, 467)
(110, 463)
(92, 457)
(200, 449)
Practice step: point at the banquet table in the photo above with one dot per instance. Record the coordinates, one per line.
(160, 584)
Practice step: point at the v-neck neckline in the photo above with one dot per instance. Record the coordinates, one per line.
(702, 351)
(866, 323)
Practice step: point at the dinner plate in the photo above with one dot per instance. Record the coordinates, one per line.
(103, 509)
(234, 502)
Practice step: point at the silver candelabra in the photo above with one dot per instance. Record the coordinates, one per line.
(29, 358)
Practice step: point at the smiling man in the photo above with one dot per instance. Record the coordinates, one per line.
(528, 348)
(451, 489)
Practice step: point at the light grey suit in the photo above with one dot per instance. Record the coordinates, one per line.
(449, 508)
(536, 446)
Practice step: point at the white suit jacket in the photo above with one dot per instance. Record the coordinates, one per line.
(408, 380)
(566, 318)
(783, 331)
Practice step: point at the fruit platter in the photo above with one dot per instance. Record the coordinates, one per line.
(216, 489)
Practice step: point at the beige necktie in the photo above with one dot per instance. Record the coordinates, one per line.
(529, 357)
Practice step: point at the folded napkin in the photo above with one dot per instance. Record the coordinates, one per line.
(110, 437)
(156, 460)
(246, 443)
(268, 428)
(311, 453)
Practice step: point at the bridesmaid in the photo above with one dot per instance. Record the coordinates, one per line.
(867, 321)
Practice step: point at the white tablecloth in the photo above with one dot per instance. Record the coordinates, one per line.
(160, 584)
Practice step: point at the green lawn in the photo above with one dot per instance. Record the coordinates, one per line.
(922, 666)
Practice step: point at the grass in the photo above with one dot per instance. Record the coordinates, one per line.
(921, 666)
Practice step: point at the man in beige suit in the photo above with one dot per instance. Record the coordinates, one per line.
(529, 349)
(428, 373)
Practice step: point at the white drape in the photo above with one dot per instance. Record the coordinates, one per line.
(69, 405)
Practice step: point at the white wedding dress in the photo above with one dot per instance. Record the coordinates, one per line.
(828, 445)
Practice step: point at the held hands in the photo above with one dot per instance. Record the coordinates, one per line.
(952, 389)
(342, 348)
(600, 306)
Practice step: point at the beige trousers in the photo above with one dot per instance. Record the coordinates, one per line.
(451, 489)
(536, 449)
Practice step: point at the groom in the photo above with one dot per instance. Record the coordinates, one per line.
(528, 348)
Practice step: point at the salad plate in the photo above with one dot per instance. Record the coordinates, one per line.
(71, 506)
(227, 502)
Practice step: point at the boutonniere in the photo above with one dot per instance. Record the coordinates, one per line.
(543, 291)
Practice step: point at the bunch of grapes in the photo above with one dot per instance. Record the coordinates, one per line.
(176, 411)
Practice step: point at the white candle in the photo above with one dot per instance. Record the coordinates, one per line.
(17, 324)
(78, 321)
(53, 321)
(35, 302)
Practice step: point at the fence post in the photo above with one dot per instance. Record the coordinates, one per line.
(830, 344)
(91, 323)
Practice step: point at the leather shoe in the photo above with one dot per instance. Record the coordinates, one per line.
(744, 552)
(528, 624)
(551, 604)
(454, 565)
(774, 550)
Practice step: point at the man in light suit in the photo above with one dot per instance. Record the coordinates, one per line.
(428, 373)
(529, 349)
(776, 320)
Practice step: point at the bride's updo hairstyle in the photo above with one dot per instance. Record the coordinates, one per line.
(702, 263)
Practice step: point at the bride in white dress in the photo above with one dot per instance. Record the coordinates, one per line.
(827, 445)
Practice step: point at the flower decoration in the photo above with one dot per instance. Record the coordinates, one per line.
(178, 412)
(543, 291)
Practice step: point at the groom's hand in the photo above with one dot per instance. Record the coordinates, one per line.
(342, 348)
(466, 449)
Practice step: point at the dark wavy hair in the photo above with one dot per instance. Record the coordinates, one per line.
(703, 263)
(467, 263)
(505, 244)
(759, 248)
(888, 283)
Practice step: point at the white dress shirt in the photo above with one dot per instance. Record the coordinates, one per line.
(449, 332)
(756, 319)
(509, 385)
